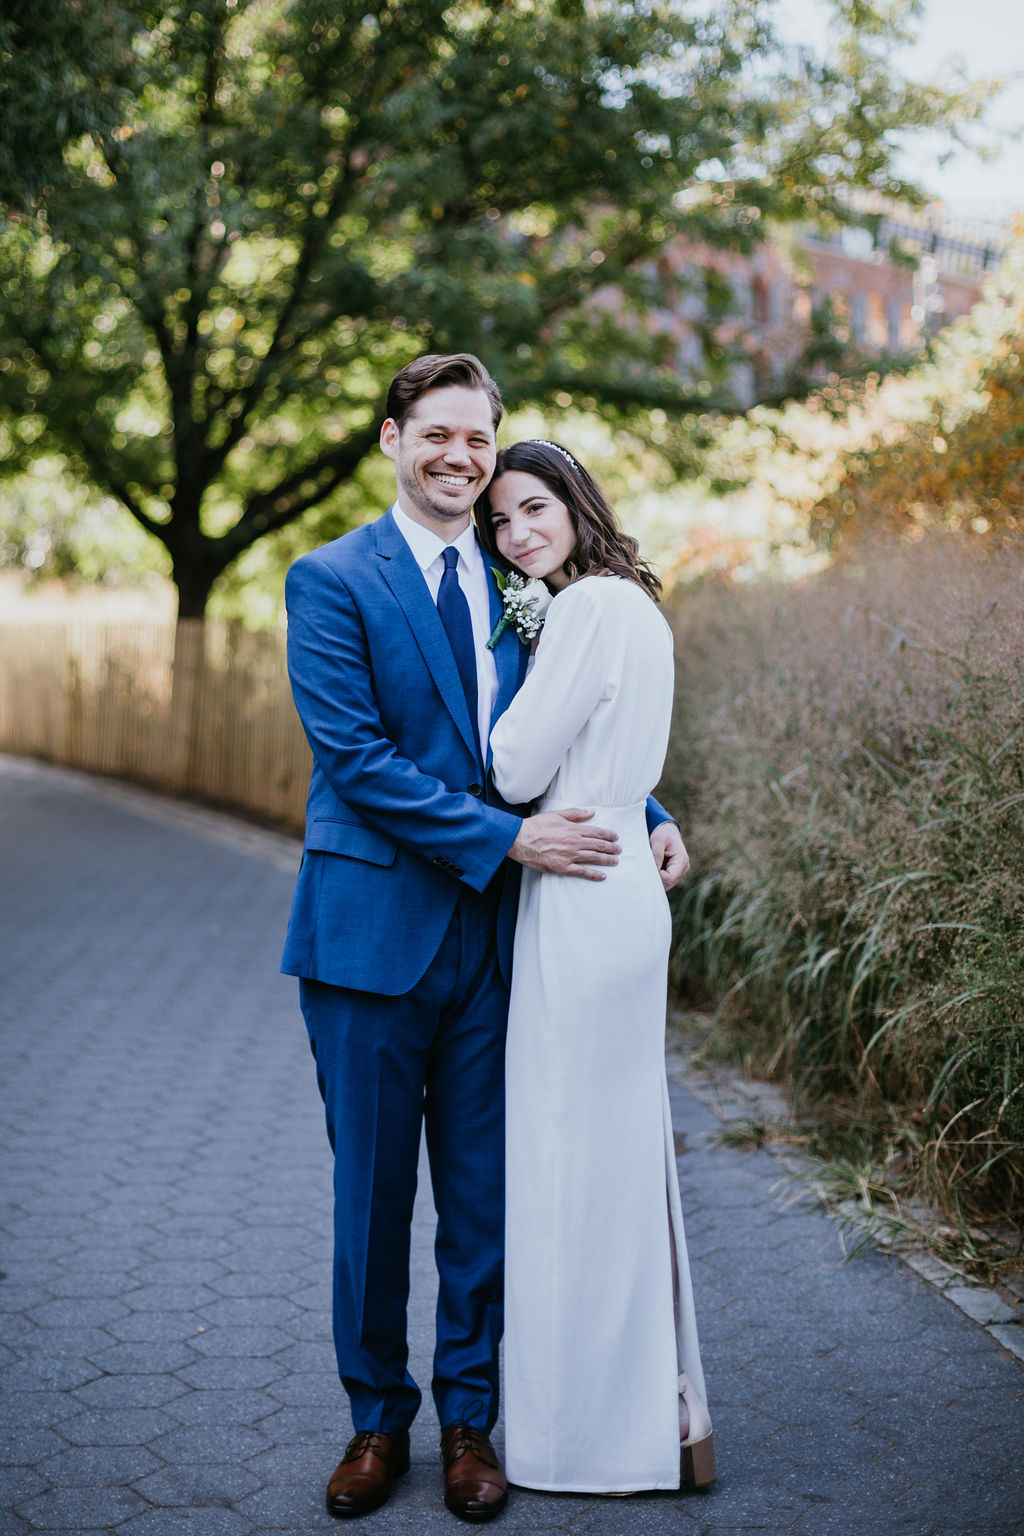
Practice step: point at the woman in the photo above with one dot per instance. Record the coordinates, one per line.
(603, 1378)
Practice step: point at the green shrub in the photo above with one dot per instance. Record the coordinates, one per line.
(848, 758)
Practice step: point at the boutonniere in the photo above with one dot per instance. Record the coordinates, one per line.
(525, 599)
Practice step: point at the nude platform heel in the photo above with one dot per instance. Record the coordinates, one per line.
(697, 1451)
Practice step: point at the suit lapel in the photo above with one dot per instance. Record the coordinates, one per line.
(510, 654)
(404, 577)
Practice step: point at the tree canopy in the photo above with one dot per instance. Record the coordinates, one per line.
(229, 221)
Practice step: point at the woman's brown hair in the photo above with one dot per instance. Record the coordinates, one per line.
(601, 545)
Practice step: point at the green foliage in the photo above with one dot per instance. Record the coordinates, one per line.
(52, 528)
(848, 762)
(64, 72)
(266, 206)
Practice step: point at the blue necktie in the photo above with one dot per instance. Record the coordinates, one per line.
(454, 611)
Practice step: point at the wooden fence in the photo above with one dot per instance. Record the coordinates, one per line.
(202, 711)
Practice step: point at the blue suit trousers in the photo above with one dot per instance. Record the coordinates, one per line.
(384, 1066)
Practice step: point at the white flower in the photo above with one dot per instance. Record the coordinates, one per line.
(526, 600)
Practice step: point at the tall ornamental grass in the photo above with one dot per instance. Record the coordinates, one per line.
(848, 759)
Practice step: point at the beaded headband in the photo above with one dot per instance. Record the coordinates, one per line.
(566, 455)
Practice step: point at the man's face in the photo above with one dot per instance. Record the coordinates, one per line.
(444, 456)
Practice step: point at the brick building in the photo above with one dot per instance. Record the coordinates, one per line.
(886, 285)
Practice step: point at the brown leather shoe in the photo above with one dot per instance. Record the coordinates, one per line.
(363, 1477)
(474, 1484)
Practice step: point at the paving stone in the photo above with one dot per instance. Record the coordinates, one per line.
(197, 1484)
(308, 1389)
(98, 1466)
(284, 1505)
(138, 1358)
(208, 1521)
(167, 1298)
(158, 1327)
(41, 1371)
(45, 1407)
(245, 1343)
(936, 1271)
(16, 1298)
(37, 1274)
(982, 1305)
(7, 1356)
(864, 1520)
(300, 1461)
(23, 1445)
(14, 1327)
(224, 1407)
(247, 1312)
(116, 1426)
(228, 1372)
(257, 1283)
(49, 1343)
(77, 1312)
(311, 1328)
(321, 1425)
(18, 1484)
(1011, 1337)
(209, 1442)
(130, 1391)
(14, 1525)
(650, 1515)
(308, 1356)
(178, 1271)
(81, 1507)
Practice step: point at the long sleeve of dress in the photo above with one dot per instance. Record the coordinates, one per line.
(568, 680)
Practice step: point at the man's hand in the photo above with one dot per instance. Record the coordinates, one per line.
(560, 843)
(670, 853)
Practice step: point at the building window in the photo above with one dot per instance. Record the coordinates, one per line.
(878, 325)
(858, 317)
(893, 311)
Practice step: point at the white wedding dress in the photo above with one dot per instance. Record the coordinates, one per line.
(599, 1316)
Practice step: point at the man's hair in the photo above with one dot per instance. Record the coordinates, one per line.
(438, 370)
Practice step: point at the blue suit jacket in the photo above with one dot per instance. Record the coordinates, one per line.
(401, 811)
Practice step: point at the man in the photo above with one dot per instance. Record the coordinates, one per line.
(402, 923)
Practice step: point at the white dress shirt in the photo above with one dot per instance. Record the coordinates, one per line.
(428, 551)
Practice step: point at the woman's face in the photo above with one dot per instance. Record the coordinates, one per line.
(532, 528)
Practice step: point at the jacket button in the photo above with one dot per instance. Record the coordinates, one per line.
(476, 789)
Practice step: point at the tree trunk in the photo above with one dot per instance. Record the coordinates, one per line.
(187, 701)
(194, 581)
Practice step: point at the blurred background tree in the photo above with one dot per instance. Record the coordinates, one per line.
(229, 221)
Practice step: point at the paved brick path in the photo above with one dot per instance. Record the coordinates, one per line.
(166, 1365)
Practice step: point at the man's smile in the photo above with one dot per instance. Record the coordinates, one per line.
(458, 481)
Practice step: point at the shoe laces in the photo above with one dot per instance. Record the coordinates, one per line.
(365, 1440)
(463, 1438)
